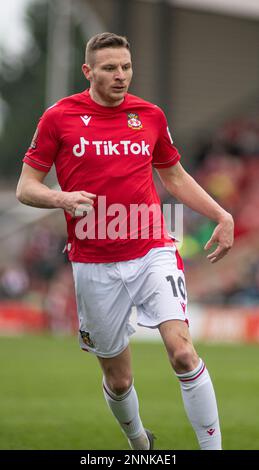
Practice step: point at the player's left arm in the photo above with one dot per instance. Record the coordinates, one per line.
(182, 186)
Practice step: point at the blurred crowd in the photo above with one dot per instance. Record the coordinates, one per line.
(42, 276)
(227, 167)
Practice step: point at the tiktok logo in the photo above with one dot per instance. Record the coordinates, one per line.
(109, 148)
(79, 149)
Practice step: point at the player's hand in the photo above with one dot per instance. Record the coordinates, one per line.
(223, 236)
(76, 203)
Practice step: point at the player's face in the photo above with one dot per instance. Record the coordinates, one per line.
(110, 75)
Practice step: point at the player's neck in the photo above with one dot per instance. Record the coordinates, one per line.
(101, 101)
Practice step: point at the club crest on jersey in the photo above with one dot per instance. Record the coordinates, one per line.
(86, 338)
(134, 121)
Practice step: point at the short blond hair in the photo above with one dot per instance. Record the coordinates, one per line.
(103, 40)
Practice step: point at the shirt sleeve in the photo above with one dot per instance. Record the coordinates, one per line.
(165, 153)
(44, 146)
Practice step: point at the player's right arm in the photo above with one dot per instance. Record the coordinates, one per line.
(38, 161)
(32, 191)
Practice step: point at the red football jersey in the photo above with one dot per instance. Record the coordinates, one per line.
(108, 151)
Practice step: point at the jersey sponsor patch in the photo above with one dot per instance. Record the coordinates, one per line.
(134, 121)
(34, 139)
(109, 147)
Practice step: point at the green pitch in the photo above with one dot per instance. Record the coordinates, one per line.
(51, 396)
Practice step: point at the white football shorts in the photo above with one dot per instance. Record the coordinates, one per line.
(106, 292)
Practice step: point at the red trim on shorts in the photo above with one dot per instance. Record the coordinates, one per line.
(179, 260)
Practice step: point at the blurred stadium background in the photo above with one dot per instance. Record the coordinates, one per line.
(198, 60)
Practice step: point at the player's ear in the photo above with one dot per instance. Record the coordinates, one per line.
(87, 71)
